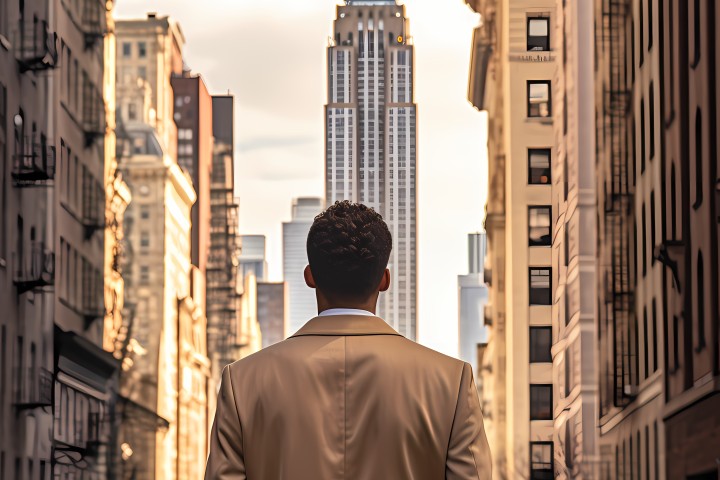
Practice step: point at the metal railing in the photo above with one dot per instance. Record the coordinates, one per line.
(34, 268)
(36, 46)
(33, 163)
(33, 388)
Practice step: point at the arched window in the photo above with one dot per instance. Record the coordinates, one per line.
(701, 301)
(698, 160)
(673, 204)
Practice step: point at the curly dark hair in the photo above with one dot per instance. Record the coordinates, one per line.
(348, 249)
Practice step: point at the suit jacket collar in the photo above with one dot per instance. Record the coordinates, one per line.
(342, 325)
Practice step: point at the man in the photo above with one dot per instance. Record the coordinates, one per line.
(347, 397)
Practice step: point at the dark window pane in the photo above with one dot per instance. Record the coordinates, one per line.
(541, 461)
(540, 344)
(539, 166)
(540, 286)
(539, 226)
(541, 402)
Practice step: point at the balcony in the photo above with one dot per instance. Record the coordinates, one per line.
(94, 25)
(33, 388)
(34, 164)
(36, 46)
(33, 269)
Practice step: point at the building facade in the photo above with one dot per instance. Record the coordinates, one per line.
(223, 295)
(194, 120)
(57, 383)
(271, 311)
(574, 240)
(301, 304)
(511, 76)
(686, 249)
(252, 256)
(472, 298)
(370, 132)
(157, 272)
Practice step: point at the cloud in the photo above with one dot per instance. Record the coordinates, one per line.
(272, 143)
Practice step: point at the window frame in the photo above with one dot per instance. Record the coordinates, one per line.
(540, 243)
(530, 83)
(539, 151)
(538, 354)
(535, 414)
(551, 470)
(528, 36)
(530, 288)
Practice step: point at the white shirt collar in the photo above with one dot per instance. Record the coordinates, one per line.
(345, 311)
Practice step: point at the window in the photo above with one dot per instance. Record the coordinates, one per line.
(127, 49)
(646, 356)
(541, 402)
(696, 34)
(641, 42)
(651, 119)
(538, 34)
(144, 274)
(643, 146)
(541, 461)
(644, 241)
(539, 99)
(142, 72)
(652, 227)
(144, 212)
(132, 111)
(673, 204)
(185, 134)
(540, 286)
(650, 23)
(540, 344)
(539, 219)
(698, 158)
(142, 49)
(539, 166)
(655, 336)
(700, 303)
(144, 239)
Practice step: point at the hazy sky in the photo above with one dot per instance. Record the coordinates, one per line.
(271, 56)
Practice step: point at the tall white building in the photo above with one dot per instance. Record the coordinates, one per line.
(301, 303)
(252, 256)
(371, 136)
(472, 298)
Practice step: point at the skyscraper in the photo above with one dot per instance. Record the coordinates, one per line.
(252, 256)
(371, 136)
(472, 297)
(301, 298)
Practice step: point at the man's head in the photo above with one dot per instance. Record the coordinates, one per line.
(348, 249)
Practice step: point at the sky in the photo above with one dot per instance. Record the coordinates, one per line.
(271, 56)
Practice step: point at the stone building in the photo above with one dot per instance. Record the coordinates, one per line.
(513, 65)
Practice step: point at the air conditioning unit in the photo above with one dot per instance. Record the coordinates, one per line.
(630, 391)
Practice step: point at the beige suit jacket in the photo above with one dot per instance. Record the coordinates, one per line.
(347, 397)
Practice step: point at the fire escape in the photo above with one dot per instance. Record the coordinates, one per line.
(618, 201)
(93, 112)
(94, 24)
(33, 163)
(36, 46)
(33, 269)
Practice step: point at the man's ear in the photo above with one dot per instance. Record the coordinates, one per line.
(384, 281)
(309, 280)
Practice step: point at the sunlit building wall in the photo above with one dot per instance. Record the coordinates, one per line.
(157, 272)
(574, 246)
(370, 130)
(511, 76)
(301, 305)
(249, 334)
